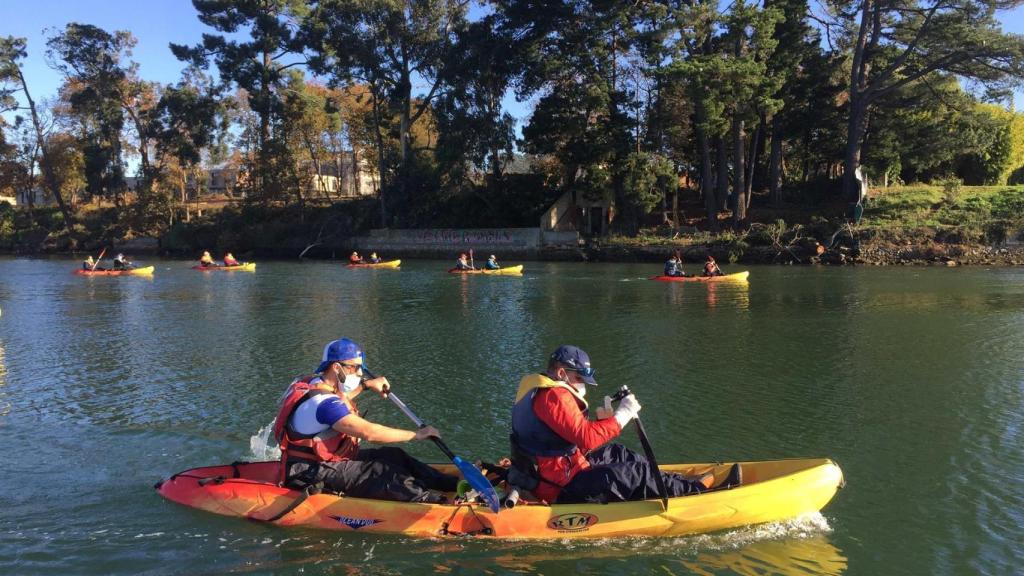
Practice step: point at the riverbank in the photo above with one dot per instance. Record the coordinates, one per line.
(923, 225)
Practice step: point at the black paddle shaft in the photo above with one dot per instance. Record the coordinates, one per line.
(412, 416)
(648, 451)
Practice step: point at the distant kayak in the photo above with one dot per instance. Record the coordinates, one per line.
(508, 271)
(246, 267)
(771, 491)
(393, 264)
(147, 271)
(737, 277)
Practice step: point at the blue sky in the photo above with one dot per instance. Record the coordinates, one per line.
(155, 23)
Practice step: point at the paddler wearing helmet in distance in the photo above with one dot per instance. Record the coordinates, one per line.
(319, 429)
(355, 258)
(492, 263)
(562, 456)
(121, 262)
(463, 263)
(206, 259)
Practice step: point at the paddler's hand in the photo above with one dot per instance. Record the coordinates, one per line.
(380, 385)
(605, 411)
(628, 409)
(427, 432)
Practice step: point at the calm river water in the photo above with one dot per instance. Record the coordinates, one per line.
(912, 379)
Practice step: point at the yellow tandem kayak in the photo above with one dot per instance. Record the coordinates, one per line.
(772, 490)
(243, 267)
(146, 271)
(393, 264)
(735, 277)
(507, 271)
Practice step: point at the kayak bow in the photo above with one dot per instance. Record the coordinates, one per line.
(772, 490)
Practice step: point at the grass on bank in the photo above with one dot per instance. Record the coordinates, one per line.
(948, 213)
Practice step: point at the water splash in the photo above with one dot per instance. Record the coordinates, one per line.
(261, 446)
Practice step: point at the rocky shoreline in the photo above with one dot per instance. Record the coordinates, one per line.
(866, 254)
(807, 252)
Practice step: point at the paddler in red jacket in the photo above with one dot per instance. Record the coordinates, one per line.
(319, 429)
(566, 454)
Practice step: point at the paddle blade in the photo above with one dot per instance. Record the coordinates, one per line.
(478, 482)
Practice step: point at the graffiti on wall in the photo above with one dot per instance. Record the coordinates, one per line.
(464, 237)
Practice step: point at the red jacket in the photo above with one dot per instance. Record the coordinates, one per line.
(564, 413)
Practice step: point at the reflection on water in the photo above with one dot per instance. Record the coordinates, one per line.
(5, 405)
(912, 379)
(798, 547)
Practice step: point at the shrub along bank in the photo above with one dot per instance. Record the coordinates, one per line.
(945, 224)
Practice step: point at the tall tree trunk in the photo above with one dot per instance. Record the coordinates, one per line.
(706, 179)
(775, 163)
(739, 197)
(405, 137)
(854, 138)
(51, 178)
(859, 100)
(380, 155)
(264, 137)
(722, 177)
(355, 173)
(753, 157)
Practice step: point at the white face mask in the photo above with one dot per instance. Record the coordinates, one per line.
(351, 382)
(581, 387)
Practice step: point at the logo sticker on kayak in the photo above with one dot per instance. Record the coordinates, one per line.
(577, 522)
(356, 523)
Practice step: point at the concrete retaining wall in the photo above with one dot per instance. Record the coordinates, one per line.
(448, 243)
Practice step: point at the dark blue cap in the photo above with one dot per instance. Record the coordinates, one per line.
(577, 360)
(343, 350)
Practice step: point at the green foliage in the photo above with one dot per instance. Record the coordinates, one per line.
(951, 188)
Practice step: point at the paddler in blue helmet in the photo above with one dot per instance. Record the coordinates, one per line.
(562, 456)
(319, 429)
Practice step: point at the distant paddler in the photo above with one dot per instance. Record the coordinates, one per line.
(492, 263)
(121, 262)
(374, 259)
(90, 264)
(711, 267)
(674, 266)
(463, 263)
(355, 258)
(206, 260)
(229, 260)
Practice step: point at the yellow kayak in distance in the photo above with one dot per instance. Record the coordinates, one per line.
(735, 277)
(771, 491)
(145, 271)
(391, 264)
(507, 271)
(244, 267)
